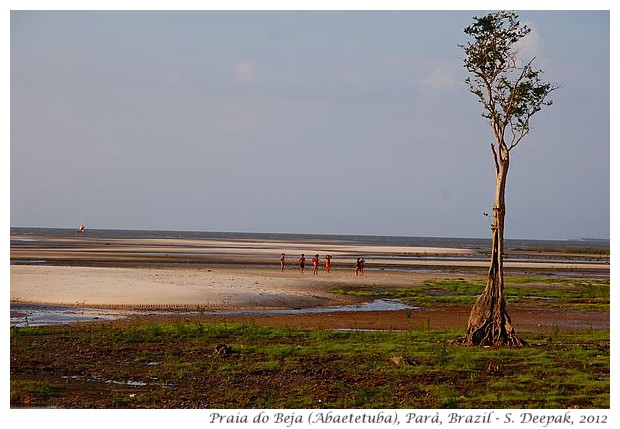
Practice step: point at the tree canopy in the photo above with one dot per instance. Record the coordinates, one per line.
(510, 91)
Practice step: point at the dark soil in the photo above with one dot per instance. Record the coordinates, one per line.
(73, 369)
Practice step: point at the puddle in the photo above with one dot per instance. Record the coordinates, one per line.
(376, 305)
(131, 383)
(366, 330)
(43, 315)
(28, 262)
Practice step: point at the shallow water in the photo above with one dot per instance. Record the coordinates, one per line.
(44, 315)
(130, 382)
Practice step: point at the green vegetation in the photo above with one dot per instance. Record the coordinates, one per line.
(195, 364)
(26, 391)
(186, 364)
(595, 251)
(576, 294)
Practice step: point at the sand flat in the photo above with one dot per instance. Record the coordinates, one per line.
(97, 286)
(221, 273)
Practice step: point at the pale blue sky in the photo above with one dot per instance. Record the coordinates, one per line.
(310, 122)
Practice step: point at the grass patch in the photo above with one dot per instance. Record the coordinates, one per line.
(576, 294)
(435, 291)
(174, 365)
(30, 390)
(573, 250)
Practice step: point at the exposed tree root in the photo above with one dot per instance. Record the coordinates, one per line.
(489, 323)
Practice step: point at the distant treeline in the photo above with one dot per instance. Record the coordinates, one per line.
(577, 250)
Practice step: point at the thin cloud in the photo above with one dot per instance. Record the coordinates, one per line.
(244, 71)
(529, 46)
(441, 77)
(173, 77)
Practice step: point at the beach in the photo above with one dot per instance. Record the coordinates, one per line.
(215, 274)
(137, 320)
(209, 273)
(217, 288)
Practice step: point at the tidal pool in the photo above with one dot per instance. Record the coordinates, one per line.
(42, 315)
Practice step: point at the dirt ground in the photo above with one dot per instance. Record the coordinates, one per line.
(81, 374)
(534, 319)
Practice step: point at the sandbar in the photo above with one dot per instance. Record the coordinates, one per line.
(223, 274)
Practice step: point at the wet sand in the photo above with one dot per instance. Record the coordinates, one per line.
(223, 288)
(213, 275)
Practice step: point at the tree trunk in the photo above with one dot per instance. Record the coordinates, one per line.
(489, 323)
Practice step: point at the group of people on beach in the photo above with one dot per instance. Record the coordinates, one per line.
(302, 263)
(359, 264)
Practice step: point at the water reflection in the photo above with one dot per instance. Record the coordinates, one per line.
(43, 315)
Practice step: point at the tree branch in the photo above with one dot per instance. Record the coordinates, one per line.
(495, 158)
(516, 139)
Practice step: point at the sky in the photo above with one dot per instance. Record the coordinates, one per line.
(318, 122)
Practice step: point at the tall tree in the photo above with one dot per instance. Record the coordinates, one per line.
(511, 92)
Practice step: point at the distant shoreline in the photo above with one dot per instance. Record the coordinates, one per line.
(432, 241)
(90, 270)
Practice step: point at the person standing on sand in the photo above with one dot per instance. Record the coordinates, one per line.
(315, 264)
(302, 263)
(328, 263)
(282, 262)
(357, 267)
(362, 262)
